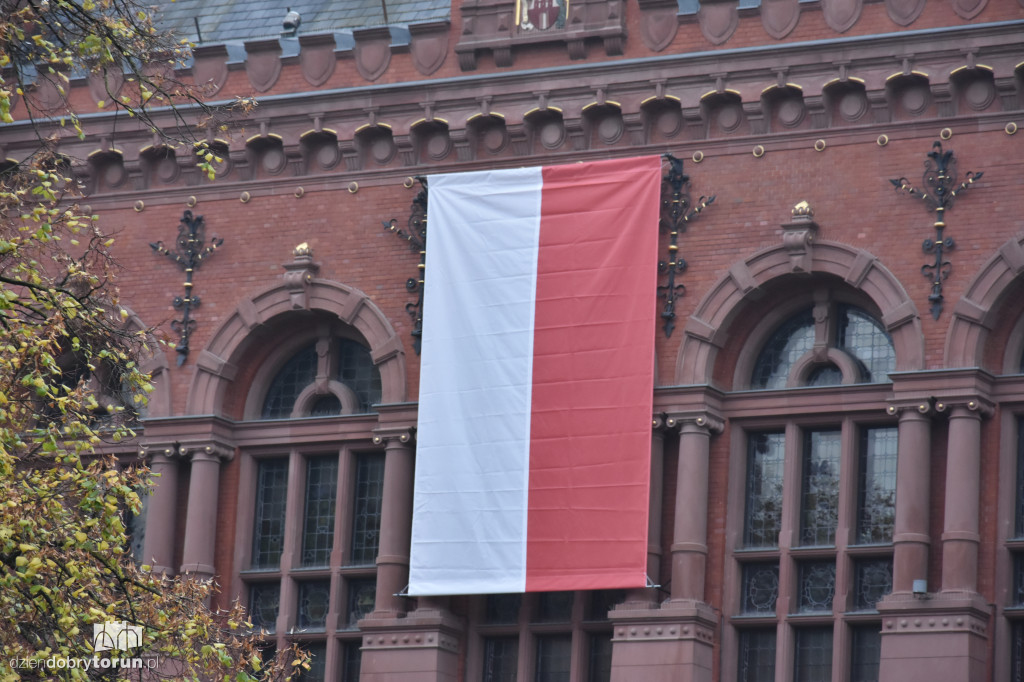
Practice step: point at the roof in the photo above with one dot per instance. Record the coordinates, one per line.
(232, 20)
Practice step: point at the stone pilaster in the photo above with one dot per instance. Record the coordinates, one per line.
(689, 540)
(201, 517)
(911, 541)
(960, 536)
(399, 645)
(161, 507)
(675, 642)
(395, 522)
(939, 633)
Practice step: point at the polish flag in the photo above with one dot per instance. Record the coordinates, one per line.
(536, 380)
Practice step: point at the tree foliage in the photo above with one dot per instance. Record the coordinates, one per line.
(71, 387)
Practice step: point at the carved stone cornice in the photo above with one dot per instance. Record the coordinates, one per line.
(389, 638)
(680, 620)
(907, 614)
(682, 77)
(935, 391)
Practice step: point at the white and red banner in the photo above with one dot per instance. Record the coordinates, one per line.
(534, 434)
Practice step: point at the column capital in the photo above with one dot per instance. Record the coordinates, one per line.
(977, 405)
(207, 450)
(920, 406)
(193, 449)
(167, 450)
(399, 434)
(705, 420)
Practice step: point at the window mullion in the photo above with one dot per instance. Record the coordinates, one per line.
(343, 509)
(286, 618)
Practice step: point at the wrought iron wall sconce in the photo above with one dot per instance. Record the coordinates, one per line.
(188, 253)
(416, 235)
(941, 191)
(677, 209)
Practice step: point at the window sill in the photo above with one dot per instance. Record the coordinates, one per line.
(260, 572)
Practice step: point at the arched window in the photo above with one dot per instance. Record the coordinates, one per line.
(324, 378)
(823, 345)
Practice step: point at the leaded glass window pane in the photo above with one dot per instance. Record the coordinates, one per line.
(325, 406)
(826, 375)
(501, 659)
(554, 654)
(362, 596)
(757, 656)
(291, 379)
(819, 507)
(268, 528)
(314, 600)
(318, 524)
(502, 609)
(787, 345)
(1017, 598)
(864, 337)
(1017, 652)
(765, 456)
(357, 371)
(317, 662)
(865, 653)
(872, 580)
(554, 607)
(760, 588)
(813, 655)
(817, 586)
(264, 602)
(1019, 502)
(366, 508)
(353, 661)
(600, 669)
(876, 497)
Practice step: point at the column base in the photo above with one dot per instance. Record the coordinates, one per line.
(422, 646)
(673, 643)
(940, 637)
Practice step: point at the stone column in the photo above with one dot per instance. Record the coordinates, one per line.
(161, 510)
(936, 635)
(689, 540)
(401, 646)
(913, 467)
(395, 523)
(960, 537)
(676, 641)
(201, 518)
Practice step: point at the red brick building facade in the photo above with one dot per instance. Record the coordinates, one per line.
(837, 487)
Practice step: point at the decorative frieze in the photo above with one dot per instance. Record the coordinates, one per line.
(684, 108)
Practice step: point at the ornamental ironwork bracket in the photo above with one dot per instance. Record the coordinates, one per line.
(416, 235)
(941, 190)
(189, 252)
(677, 209)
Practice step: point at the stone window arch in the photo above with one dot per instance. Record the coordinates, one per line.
(327, 374)
(226, 362)
(828, 343)
(864, 281)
